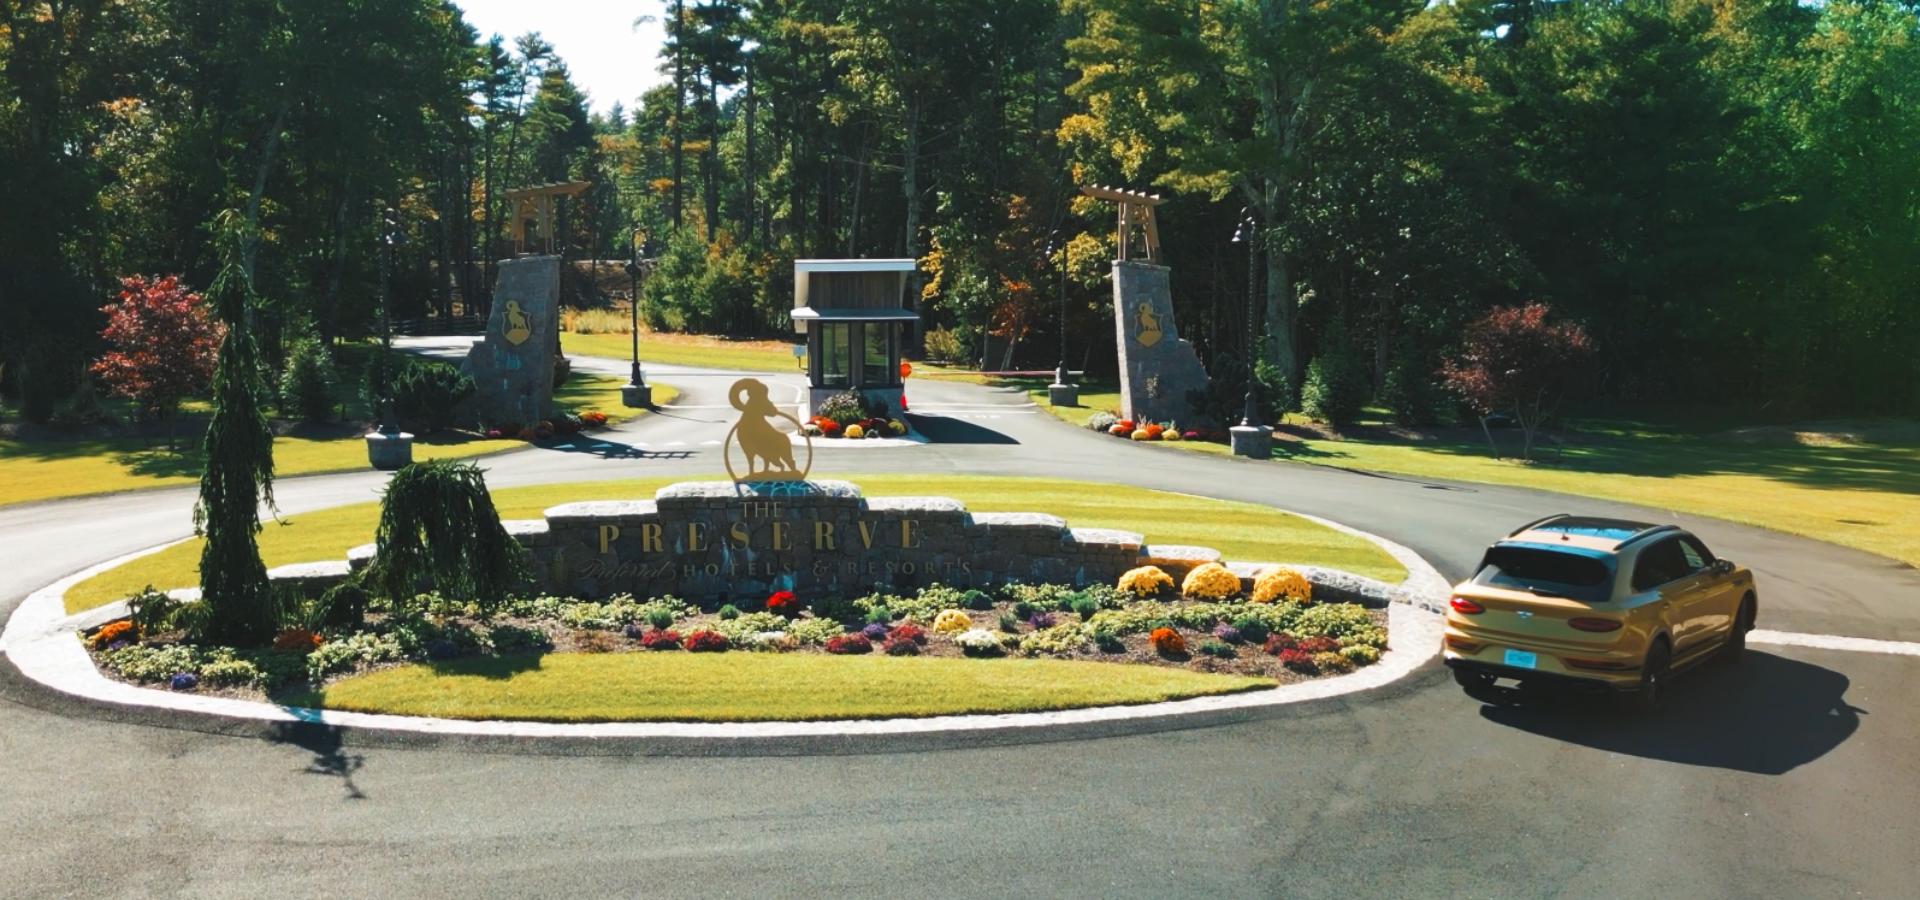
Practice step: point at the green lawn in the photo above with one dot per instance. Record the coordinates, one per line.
(46, 470)
(686, 350)
(754, 687)
(1860, 491)
(1241, 531)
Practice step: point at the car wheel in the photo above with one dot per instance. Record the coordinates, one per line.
(1736, 646)
(1653, 677)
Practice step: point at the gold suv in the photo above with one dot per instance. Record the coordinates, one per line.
(1596, 603)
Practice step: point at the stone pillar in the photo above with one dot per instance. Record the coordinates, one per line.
(1251, 441)
(1157, 369)
(513, 366)
(1061, 392)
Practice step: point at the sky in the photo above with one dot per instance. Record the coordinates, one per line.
(608, 58)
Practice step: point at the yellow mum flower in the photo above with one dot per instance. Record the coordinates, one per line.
(1211, 581)
(952, 621)
(1282, 583)
(1145, 581)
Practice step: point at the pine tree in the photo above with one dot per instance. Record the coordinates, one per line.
(239, 607)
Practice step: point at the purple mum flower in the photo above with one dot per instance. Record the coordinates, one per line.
(875, 632)
(183, 681)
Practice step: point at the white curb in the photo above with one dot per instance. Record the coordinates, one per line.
(42, 641)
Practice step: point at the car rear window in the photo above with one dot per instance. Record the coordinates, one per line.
(1545, 570)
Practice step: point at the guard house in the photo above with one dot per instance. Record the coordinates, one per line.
(850, 312)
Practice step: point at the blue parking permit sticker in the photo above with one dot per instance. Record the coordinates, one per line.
(1521, 659)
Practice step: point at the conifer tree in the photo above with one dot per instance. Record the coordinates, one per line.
(238, 600)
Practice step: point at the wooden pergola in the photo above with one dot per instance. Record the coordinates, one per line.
(537, 203)
(1136, 209)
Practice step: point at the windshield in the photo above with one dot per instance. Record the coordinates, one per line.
(1547, 571)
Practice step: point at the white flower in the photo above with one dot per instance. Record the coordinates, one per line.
(979, 641)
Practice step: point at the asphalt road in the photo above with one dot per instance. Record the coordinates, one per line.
(1791, 775)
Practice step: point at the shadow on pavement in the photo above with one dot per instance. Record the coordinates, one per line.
(606, 449)
(1767, 715)
(324, 742)
(944, 430)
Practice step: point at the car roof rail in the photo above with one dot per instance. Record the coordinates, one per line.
(1537, 523)
(1645, 533)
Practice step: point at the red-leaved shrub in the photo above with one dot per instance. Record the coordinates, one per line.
(659, 639)
(1298, 660)
(165, 344)
(899, 647)
(909, 632)
(707, 641)
(849, 643)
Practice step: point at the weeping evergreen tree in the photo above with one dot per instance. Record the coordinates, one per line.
(238, 605)
(438, 528)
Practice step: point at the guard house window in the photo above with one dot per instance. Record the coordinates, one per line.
(836, 354)
(876, 365)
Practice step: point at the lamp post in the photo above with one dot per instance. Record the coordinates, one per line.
(388, 447)
(636, 394)
(1250, 438)
(1061, 392)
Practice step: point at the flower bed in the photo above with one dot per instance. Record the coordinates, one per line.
(1286, 638)
(1141, 430)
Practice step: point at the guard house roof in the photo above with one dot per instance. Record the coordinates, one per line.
(809, 314)
(850, 290)
(852, 265)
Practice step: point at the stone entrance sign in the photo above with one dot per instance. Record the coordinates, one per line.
(512, 367)
(1157, 368)
(718, 541)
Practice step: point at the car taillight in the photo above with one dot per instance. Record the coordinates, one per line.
(1464, 645)
(1592, 624)
(1466, 607)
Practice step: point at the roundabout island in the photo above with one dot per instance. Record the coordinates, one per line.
(764, 609)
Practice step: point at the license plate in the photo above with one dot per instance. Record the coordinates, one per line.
(1521, 659)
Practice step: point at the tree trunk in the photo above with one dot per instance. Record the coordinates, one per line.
(710, 161)
(747, 211)
(330, 321)
(910, 186)
(679, 105)
(260, 189)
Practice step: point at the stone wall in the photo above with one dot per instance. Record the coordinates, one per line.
(717, 541)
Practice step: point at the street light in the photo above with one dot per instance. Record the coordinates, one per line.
(1250, 438)
(1061, 392)
(636, 394)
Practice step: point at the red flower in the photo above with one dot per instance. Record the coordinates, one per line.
(783, 602)
(907, 631)
(658, 639)
(849, 643)
(707, 641)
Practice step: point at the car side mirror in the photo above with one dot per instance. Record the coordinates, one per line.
(1722, 567)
